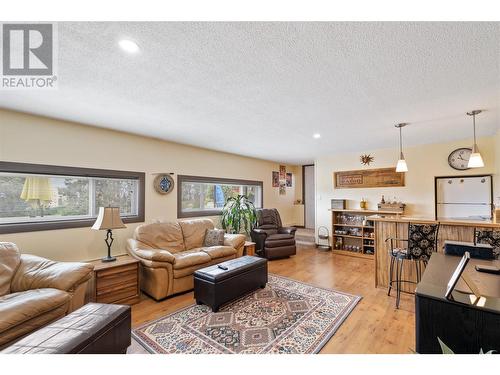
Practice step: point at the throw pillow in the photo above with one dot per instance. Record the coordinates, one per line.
(214, 237)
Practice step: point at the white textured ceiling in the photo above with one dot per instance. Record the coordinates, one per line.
(262, 89)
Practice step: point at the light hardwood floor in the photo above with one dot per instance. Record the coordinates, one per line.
(375, 325)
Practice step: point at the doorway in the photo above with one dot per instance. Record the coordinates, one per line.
(308, 195)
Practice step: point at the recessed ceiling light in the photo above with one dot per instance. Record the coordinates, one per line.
(316, 135)
(128, 46)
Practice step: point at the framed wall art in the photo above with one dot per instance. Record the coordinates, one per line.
(368, 178)
(276, 179)
(282, 188)
(282, 173)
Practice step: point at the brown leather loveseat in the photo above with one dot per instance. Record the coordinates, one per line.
(35, 291)
(170, 252)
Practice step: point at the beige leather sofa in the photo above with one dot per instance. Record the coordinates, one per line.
(35, 291)
(171, 252)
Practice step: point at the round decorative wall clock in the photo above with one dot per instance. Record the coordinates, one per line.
(163, 183)
(459, 158)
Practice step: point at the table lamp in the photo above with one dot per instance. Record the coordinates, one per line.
(108, 219)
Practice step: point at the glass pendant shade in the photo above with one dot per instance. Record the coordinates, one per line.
(475, 160)
(401, 166)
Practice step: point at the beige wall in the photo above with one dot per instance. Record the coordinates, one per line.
(496, 182)
(424, 163)
(33, 139)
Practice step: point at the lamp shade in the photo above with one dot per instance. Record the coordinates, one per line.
(475, 160)
(37, 189)
(401, 166)
(108, 218)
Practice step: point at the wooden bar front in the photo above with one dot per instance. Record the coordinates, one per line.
(397, 227)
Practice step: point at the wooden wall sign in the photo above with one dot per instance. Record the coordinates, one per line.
(368, 178)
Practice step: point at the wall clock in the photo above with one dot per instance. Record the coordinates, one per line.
(459, 158)
(163, 183)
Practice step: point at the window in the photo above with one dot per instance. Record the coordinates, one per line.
(42, 197)
(205, 196)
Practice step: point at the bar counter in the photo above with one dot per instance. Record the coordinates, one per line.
(397, 226)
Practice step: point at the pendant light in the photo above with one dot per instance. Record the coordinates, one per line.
(401, 166)
(475, 160)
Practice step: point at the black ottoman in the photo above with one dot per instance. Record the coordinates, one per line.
(219, 284)
(95, 328)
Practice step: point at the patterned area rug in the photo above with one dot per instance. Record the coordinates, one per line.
(287, 316)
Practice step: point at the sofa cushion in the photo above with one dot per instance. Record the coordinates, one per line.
(279, 240)
(18, 308)
(268, 226)
(167, 236)
(280, 243)
(188, 271)
(280, 237)
(190, 258)
(213, 237)
(269, 232)
(218, 251)
(194, 231)
(9, 261)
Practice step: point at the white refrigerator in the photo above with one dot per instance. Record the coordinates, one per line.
(464, 198)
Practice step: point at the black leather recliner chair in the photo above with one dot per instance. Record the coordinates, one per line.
(271, 238)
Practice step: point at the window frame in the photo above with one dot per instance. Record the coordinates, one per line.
(215, 180)
(56, 170)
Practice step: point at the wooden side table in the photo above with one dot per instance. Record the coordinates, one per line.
(249, 248)
(116, 282)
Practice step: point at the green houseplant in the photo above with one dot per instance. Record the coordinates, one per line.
(446, 350)
(238, 215)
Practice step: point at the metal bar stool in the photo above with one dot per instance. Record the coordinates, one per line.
(422, 242)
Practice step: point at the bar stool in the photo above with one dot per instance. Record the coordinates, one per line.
(422, 242)
(488, 237)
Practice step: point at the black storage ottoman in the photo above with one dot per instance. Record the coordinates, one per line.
(224, 282)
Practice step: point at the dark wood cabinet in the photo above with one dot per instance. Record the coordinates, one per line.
(461, 325)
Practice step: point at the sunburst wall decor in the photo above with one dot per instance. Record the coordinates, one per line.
(366, 159)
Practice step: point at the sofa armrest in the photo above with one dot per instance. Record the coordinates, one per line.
(234, 240)
(287, 230)
(36, 273)
(156, 255)
(148, 255)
